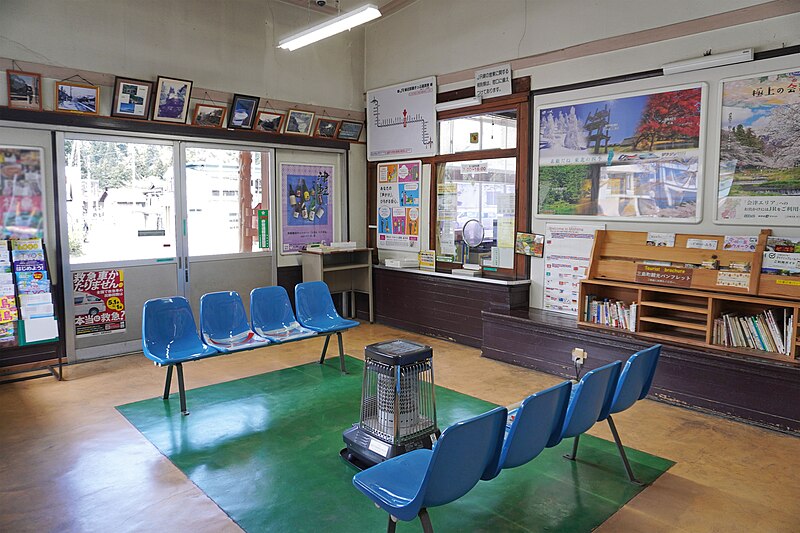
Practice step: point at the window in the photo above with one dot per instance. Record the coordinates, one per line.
(223, 195)
(120, 200)
(497, 130)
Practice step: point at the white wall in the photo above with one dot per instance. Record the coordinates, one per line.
(450, 36)
(225, 45)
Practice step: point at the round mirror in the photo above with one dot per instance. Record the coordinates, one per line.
(472, 233)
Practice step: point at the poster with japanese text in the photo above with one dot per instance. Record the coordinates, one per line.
(307, 205)
(567, 254)
(21, 175)
(633, 156)
(759, 153)
(401, 120)
(99, 302)
(399, 205)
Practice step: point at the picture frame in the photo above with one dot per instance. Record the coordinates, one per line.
(24, 90)
(299, 122)
(171, 101)
(243, 112)
(132, 98)
(270, 122)
(209, 116)
(350, 130)
(326, 128)
(77, 98)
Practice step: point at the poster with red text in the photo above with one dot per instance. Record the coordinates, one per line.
(99, 302)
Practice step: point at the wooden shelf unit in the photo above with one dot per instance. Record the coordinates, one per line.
(683, 315)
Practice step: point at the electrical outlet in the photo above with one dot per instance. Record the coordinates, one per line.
(579, 356)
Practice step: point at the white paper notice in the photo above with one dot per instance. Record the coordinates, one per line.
(568, 250)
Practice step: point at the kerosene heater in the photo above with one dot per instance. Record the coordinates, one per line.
(398, 408)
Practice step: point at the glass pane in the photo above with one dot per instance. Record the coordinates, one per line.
(478, 132)
(224, 192)
(120, 200)
(476, 197)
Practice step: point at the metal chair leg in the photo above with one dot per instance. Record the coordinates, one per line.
(574, 449)
(427, 527)
(182, 390)
(392, 525)
(622, 453)
(341, 352)
(324, 349)
(168, 383)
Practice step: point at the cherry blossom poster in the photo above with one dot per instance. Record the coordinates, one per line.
(633, 156)
(759, 153)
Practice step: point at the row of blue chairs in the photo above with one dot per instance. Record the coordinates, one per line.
(170, 337)
(481, 447)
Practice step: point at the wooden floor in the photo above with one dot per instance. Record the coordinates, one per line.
(70, 462)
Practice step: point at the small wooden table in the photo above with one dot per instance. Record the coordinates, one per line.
(345, 270)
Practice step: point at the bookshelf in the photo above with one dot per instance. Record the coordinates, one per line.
(683, 305)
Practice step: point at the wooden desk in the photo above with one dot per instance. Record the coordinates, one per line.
(343, 270)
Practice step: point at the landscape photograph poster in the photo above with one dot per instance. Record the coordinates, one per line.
(634, 156)
(398, 205)
(759, 152)
(307, 204)
(99, 302)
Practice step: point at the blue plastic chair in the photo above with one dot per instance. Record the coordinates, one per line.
(271, 316)
(537, 424)
(315, 311)
(634, 384)
(224, 323)
(590, 402)
(406, 485)
(169, 338)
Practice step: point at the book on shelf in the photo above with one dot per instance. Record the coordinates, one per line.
(769, 331)
(610, 312)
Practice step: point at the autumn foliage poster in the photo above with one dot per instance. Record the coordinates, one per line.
(632, 156)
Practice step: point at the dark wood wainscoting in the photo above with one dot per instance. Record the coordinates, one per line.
(759, 391)
(441, 306)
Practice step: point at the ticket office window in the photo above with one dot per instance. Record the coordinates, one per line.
(481, 188)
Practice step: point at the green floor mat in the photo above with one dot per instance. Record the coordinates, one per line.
(266, 450)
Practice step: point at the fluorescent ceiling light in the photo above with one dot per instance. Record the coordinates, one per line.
(710, 61)
(457, 104)
(331, 27)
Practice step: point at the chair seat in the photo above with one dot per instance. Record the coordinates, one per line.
(244, 341)
(181, 356)
(394, 485)
(292, 332)
(329, 325)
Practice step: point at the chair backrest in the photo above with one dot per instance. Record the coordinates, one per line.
(591, 399)
(313, 300)
(635, 378)
(168, 328)
(270, 308)
(461, 455)
(537, 424)
(222, 317)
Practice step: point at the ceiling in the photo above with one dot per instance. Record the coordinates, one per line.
(387, 7)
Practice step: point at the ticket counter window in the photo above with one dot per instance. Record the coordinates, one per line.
(482, 190)
(487, 131)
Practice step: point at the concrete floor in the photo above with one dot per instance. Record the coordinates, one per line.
(70, 462)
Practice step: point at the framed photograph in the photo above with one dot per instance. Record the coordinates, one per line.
(209, 116)
(172, 100)
(243, 112)
(326, 128)
(132, 98)
(530, 244)
(299, 122)
(77, 98)
(270, 122)
(350, 131)
(24, 90)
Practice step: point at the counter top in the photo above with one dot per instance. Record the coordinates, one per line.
(455, 277)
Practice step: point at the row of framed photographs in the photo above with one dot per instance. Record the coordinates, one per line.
(167, 100)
